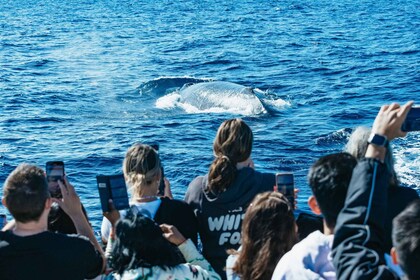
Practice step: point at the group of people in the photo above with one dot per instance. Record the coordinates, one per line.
(368, 226)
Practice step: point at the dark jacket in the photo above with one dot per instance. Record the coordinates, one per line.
(358, 248)
(220, 216)
(178, 213)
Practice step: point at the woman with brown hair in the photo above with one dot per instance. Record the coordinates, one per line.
(268, 232)
(220, 198)
(142, 172)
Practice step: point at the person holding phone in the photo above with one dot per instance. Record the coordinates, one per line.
(399, 196)
(221, 197)
(358, 250)
(329, 178)
(154, 251)
(29, 250)
(58, 220)
(142, 172)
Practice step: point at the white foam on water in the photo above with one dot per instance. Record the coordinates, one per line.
(277, 103)
(168, 101)
(407, 161)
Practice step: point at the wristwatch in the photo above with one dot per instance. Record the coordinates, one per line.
(378, 140)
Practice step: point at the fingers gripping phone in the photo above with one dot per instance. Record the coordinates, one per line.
(55, 172)
(285, 184)
(412, 121)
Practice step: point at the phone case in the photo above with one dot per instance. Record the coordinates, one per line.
(112, 187)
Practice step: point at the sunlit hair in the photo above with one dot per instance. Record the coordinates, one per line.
(140, 243)
(141, 167)
(233, 144)
(25, 193)
(357, 146)
(268, 232)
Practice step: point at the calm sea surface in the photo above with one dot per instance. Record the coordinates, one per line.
(81, 80)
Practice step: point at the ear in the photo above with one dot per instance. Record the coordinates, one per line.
(314, 205)
(48, 203)
(394, 255)
(3, 201)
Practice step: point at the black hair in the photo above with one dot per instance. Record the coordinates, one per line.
(25, 192)
(140, 243)
(329, 178)
(406, 239)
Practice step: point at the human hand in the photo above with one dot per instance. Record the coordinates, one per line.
(113, 215)
(172, 234)
(389, 120)
(70, 201)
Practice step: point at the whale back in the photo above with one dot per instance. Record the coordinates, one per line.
(223, 95)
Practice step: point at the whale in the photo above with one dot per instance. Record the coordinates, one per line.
(220, 95)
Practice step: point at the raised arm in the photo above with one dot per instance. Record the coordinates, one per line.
(359, 232)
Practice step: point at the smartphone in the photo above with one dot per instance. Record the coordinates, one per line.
(161, 190)
(3, 220)
(55, 172)
(112, 187)
(285, 184)
(412, 121)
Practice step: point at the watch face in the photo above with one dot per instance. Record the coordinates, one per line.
(378, 140)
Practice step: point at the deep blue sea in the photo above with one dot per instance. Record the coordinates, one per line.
(82, 80)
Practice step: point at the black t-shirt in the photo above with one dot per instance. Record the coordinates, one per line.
(47, 255)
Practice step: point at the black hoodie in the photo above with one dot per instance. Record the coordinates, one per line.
(220, 216)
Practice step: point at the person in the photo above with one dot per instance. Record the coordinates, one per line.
(399, 197)
(58, 220)
(29, 250)
(268, 232)
(358, 249)
(141, 249)
(220, 198)
(142, 171)
(329, 178)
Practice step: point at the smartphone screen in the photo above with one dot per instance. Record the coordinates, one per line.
(412, 121)
(285, 185)
(55, 172)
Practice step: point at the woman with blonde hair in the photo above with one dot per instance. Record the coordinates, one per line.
(220, 198)
(268, 232)
(142, 172)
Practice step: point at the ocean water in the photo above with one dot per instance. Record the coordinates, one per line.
(81, 80)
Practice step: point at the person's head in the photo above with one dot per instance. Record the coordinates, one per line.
(232, 145)
(268, 232)
(142, 169)
(329, 178)
(140, 243)
(406, 239)
(26, 194)
(357, 146)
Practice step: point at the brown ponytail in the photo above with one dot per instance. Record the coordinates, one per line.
(233, 144)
